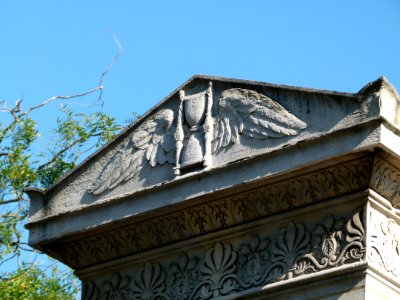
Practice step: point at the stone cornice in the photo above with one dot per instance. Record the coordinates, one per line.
(375, 172)
(329, 182)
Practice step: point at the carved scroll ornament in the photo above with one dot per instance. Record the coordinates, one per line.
(187, 138)
(224, 269)
(384, 250)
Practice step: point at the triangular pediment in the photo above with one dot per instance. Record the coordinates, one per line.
(210, 124)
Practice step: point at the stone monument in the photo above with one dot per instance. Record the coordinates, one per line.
(234, 189)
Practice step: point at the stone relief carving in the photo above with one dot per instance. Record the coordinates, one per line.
(183, 278)
(253, 261)
(194, 130)
(149, 283)
(384, 239)
(224, 269)
(386, 181)
(219, 214)
(248, 112)
(218, 272)
(153, 141)
(116, 288)
(90, 291)
(188, 138)
(292, 243)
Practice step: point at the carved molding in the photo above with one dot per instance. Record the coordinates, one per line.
(386, 181)
(244, 207)
(384, 243)
(225, 269)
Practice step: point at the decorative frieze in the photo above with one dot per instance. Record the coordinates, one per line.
(323, 184)
(227, 268)
(313, 187)
(386, 181)
(384, 243)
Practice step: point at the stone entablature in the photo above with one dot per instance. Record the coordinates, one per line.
(231, 188)
(258, 257)
(269, 253)
(350, 176)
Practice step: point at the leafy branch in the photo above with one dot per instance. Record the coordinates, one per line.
(22, 165)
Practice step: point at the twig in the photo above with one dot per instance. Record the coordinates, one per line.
(8, 215)
(23, 273)
(16, 111)
(28, 249)
(8, 259)
(8, 201)
(61, 97)
(120, 50)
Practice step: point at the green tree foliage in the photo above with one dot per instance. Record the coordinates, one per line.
(22, 165)
(33, 283)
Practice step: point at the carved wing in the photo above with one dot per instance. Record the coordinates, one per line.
(242, 111)
(152, 142)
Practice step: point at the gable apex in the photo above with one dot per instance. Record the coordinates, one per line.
(209, 123)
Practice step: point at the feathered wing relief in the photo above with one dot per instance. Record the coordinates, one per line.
(188, 139)
(153, 141)
(242, 111)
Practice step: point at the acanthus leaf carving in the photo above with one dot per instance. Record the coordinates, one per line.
(355, 228)
(225, 269)
(384, 248)
(337, 242)
(385, 180)
(216, 215)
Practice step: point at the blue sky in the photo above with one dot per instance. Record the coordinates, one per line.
(53, 48)
(61, 47)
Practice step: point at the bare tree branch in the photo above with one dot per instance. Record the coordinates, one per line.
(23, 273)
(100, 87)
(17, 112)
(9, 258)
(8, 215)
(120, 50)
(7, 129)
(9, 201)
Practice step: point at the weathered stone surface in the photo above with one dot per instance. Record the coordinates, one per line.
(226, 266)
(250, 205)
(236, 189)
